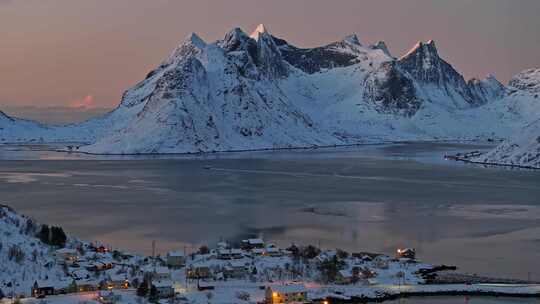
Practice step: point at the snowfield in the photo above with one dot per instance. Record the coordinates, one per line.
(261, 92)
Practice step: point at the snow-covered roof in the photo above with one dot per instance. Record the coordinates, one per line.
(66, 251)
(177, 253)
(346, 273)
(293, 288)
(231, 251)
(237, 264)
(162, 284)
(162, 270)
(254, 241)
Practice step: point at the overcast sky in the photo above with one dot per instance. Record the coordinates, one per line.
(87, 52)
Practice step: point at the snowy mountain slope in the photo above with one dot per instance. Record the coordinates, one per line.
(523, 146)
(522, 149)
(259, 91)
(201, 102)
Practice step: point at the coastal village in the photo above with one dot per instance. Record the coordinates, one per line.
(250, 271)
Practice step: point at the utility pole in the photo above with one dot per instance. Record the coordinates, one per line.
(154, 254)
(185, 265)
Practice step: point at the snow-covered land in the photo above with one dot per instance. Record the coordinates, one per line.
(522, 149)
(25, 259)
(258, 91)
(73, 271)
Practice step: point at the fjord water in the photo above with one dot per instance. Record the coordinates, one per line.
(371, 198)
(466, 300)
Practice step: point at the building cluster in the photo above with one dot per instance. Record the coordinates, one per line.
(281, 273)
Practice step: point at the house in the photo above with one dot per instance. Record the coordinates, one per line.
(274, 252)
(66, 256)
(164, 289)
(199, 272)
(87, 286)
(222, 245)
(176, 259)
(108, 297)
(229, 254)
(284, 294)
(235, 270)
(326, 255)
(201, 286)
(381, 262)
(80, 274)
(345, 276)
(42, 289)
(257, 251)
(406, 253)
(99, 266)
(365, 256)
(118, 282)
(161, 274)
(250, 244)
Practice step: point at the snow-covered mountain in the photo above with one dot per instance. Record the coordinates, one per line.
(259, 91)
(523, 147)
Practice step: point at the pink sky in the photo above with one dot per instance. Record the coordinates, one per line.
(86, 53)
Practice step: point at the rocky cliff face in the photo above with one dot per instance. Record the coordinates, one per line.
(425, 66)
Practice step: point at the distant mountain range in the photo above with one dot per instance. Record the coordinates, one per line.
(258, 91)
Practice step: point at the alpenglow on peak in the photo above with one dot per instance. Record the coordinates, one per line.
(259, 30)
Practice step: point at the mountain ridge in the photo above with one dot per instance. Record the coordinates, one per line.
(241, 93)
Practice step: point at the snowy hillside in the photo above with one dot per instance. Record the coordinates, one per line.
(523, 149)
(24, 259)
(523, 146)
(258, 91)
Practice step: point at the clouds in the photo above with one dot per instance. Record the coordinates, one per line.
(86, 103)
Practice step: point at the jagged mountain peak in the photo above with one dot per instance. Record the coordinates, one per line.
(196, 40)
(486, 90)
(259, 30)
(236, 39)
(352, 39)
(191, 45)
(381, 45)
(424, 49)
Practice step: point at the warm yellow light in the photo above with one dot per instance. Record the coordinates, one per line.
(325, 302)
(274, 294)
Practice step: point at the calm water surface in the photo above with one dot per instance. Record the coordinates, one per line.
(464, 300)
(375, 198)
